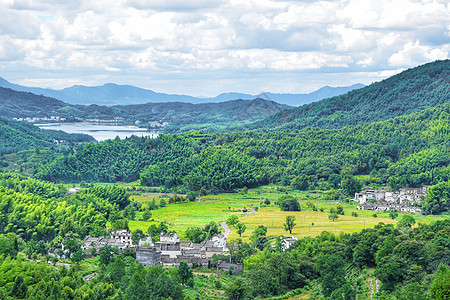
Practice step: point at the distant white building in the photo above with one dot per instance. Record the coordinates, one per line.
(123, 236)
(74, 190)
(287, 242)
(219, 241)
(146, 241)
(169, 238)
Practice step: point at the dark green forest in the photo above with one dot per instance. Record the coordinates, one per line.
(405, 151)
(16, 136)
(411, 91)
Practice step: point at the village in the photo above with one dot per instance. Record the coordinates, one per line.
(405, 200)
(168, 251)
(171, 251)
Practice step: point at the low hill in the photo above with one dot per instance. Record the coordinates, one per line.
(410, 91)
(16, 136)
(14, 104)
(185, 114)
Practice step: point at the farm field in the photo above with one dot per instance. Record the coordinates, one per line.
(308, 223)
(219, 207)
(180, 216)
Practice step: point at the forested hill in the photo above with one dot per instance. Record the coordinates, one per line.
(404, 151)
(14, 104)
(179, 114)
(16, 136)
(410, 91)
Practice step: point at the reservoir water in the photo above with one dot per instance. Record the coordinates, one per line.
(100, 132)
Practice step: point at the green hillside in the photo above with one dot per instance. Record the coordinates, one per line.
(17, 136)
(410, 91)
(180, 116)
(405, 151)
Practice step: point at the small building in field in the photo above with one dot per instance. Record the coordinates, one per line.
(287, 242)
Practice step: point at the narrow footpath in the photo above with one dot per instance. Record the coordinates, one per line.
(228, 230)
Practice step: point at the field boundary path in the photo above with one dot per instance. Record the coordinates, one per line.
(249, 213)
(228, 230)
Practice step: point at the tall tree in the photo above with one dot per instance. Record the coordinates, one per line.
(289, 224)
(137, 289)
(440, 287)
(240, 228)
(185, 272)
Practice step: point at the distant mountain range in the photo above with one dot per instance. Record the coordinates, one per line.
(179, 115)
(113, 94)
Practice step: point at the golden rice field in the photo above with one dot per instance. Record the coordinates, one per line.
(218, 208)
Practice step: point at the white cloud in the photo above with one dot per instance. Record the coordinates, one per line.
(174, 5)
(414, 53)
(130, 41)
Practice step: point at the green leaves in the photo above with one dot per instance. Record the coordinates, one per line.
(438, 198)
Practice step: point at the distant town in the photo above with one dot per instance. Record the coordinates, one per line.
(405, 200)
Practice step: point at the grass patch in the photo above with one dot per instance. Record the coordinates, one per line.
(180, 216)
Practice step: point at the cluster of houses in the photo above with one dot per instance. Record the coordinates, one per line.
(169, 251)
(40, 119)
(107, 120)
(156, 124)
(385, 200)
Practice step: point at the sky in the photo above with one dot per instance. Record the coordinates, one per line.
(207, 47)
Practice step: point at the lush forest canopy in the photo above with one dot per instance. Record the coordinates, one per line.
(405, 151)
(16, 136)
(410, 91)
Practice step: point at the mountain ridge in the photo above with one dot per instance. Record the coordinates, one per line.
(114, 94)
(410, 91)
(15, 104)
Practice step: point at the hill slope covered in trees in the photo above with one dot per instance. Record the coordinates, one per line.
(16, 136)
(410, 91)
(405, 151)
(14, 104)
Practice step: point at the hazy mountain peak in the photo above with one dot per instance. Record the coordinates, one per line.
(115, 94)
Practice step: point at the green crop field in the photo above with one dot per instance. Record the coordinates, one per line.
(180, 216)
(219, 207)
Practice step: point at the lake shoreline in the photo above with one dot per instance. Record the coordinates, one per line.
(101, 132)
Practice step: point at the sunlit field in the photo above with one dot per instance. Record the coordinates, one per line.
(219, 207)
